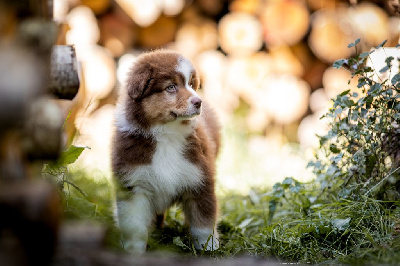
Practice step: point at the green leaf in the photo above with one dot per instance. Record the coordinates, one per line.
(368, 69)
(178, 242)
(71, 155)
(395, 79)
(365, 54)
(344, 93)
(332, 169)
(389, 60)
(384, 69)
(368, 101)
(363, 112)
(338, 111)
(272, 209)
(288, 181)
(322, 140)
(245, 222)
(361, 82)
(375, 88)
(341, 224)
(334, 149)
(339, 63)
(354, 44)
(338, 158)
(382, 44)
(67, 157)
(296, 188)
(344, 126)
(278, 190)
(83, 207)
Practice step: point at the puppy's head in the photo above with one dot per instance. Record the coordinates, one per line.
(162, 88)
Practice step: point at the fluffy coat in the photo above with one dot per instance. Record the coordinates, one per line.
(164, 150)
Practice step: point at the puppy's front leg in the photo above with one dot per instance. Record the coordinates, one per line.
(135, 215)
(201, 213)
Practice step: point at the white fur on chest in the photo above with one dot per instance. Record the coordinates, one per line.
(169, 172)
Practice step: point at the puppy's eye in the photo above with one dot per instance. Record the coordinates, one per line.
(171, 88)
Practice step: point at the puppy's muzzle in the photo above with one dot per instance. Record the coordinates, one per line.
(196, 101)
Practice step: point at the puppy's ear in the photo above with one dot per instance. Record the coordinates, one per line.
(139, 81)
(196, 81)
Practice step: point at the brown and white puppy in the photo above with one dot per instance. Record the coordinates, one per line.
(164, 151)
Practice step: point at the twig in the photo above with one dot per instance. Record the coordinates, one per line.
(76, 187)
(395, 170)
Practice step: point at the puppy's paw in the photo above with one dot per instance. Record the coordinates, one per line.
(135, 247)
(212, 243)
(205, 238)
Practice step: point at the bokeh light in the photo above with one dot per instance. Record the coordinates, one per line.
(265, 67)
(143, 12)
(240, 34)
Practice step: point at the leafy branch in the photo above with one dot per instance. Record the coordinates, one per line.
(361, 146)
(57, 170)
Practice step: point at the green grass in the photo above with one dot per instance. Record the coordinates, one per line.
(343, 231)
(93, 201)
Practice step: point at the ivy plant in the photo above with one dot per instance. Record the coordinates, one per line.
(360, 151)
(56, 171)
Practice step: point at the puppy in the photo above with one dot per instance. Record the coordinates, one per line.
(164, 150)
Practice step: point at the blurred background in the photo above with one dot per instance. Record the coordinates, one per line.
(265, 67)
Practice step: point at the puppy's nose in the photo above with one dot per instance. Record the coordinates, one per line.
(196, 102)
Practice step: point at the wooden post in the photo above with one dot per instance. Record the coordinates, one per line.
(42, 137)
(64, 80)
(30, 128)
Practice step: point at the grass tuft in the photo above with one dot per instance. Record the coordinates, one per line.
(345, 231)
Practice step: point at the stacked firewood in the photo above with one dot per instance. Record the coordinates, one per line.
(33, 73)
(260, 49)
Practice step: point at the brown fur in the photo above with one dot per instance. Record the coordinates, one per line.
(149, 104)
